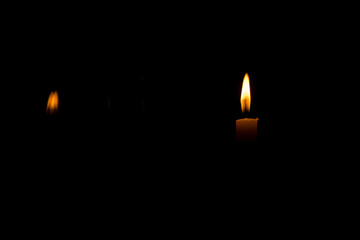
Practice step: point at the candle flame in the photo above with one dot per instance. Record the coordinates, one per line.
(53, 103)
(245, 98)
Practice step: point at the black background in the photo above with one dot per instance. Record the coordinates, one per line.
(174, 98)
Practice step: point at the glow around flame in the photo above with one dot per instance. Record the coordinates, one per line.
(53, 103)
(245, 98)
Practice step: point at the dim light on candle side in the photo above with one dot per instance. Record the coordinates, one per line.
(246, 129)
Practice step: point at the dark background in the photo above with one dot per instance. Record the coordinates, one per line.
(173, 84)
(179, 79)
(174, 93)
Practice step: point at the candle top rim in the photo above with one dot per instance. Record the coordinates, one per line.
(247, 119)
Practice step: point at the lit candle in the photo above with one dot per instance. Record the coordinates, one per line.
(246, 128)
(53, 103)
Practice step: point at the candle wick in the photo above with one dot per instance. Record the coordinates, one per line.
(243, 108)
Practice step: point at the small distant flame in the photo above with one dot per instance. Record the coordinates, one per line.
(245, 98)
(53, 103)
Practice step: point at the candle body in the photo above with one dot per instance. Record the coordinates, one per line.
(246, 129)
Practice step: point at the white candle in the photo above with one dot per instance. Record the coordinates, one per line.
(246, 128)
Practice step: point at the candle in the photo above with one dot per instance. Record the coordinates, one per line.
(246, 128)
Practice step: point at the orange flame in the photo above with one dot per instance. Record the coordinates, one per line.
(53, 103)
(245, 98)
